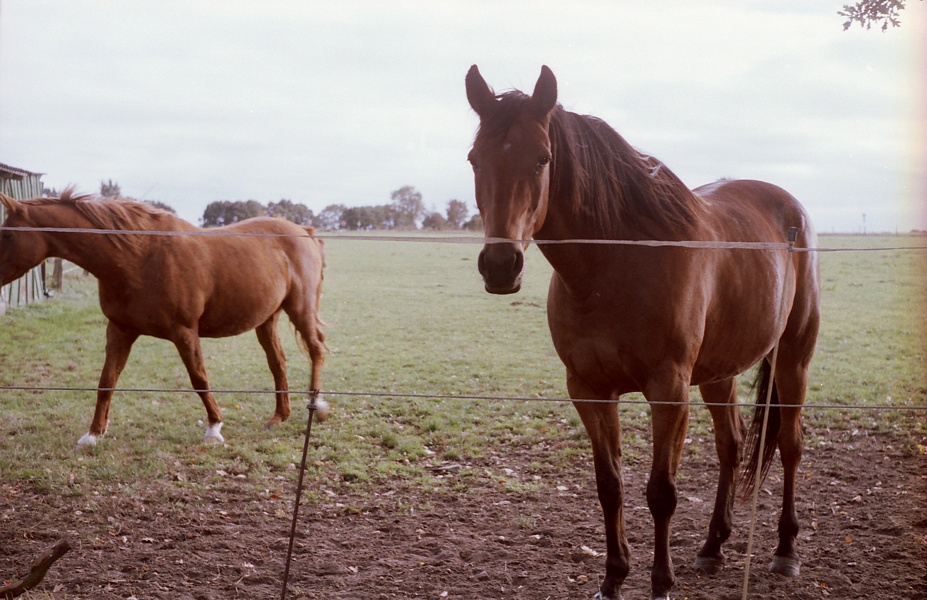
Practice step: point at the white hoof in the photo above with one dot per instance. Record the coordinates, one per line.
(322, 408)
(212, 434)
(88, 439)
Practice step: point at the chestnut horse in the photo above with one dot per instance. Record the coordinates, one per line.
(179, 285)
(650, 317)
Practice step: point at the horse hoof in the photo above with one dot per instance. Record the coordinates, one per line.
(88, 439)
(212, 434)
(272, 422)
(708, 564)
(601, 596)
(781, 565)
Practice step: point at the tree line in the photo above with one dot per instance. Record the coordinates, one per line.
(406, 210)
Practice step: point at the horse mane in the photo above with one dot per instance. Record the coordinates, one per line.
(609, 185)
(118, 214)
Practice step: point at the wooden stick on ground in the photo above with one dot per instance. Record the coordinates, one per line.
(40, 567)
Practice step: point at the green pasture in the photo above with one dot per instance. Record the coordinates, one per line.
(410, 329)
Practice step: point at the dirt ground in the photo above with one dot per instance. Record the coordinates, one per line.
(862, 505)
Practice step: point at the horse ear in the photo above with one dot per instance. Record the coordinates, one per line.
(544, 97)
(8, 203)
(481, 97)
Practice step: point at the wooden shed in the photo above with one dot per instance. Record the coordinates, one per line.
(21, 185)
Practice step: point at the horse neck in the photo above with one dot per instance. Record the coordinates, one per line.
(578, 265)
(90, 251)
(651, 204)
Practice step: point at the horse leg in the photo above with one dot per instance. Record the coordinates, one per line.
(721, 400)
(276, 360)
(314, 342)
(670, 419)
(304, 317)
(118, 346)
(604, 429)
(187, 342)
(790, 385)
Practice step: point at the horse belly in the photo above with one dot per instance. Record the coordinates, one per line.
(718, 367)
(616, 350)
(738, 334)
(233, 311)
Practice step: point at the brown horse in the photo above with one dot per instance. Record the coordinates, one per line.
(177, 282)
(649, 317)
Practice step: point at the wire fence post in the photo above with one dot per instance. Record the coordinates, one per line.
(313, 395)
(793, 235)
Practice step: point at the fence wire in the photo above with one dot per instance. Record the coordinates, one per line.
(426, 396)
(457, 239)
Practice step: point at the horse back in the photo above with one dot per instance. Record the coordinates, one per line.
(273, 250)
(223, 283)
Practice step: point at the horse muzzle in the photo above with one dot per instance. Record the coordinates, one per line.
(501, 266)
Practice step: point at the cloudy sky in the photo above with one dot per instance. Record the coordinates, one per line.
(344, 102)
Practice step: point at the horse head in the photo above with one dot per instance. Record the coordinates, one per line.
(511, 159)
(19, 250)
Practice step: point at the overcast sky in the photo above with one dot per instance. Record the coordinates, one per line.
(344, 102)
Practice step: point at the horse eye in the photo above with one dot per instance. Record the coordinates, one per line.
(543, 162)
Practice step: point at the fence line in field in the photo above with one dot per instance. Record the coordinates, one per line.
(405, 395)
(454, 239)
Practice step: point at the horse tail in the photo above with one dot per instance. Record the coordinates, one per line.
(756, 467)
(305, 345)
(311, 231)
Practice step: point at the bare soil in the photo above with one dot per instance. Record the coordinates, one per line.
(862, 505)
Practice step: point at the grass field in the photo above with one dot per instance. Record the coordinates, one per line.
(409, 328)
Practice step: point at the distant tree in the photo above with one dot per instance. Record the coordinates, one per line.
(291, 211)
(215, 213)
(365, 218)
(330, 217)
(386, 217)
(224, 212)
(407, 202)
(873, 12)
(110, 189)
(356, 218)
(457, 213)
(434, 220)
(475, 223)
(162, 206)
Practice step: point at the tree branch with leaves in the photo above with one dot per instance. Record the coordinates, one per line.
(867, 13)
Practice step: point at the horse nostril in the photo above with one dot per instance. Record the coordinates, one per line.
(481, 263)
(518, 263)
